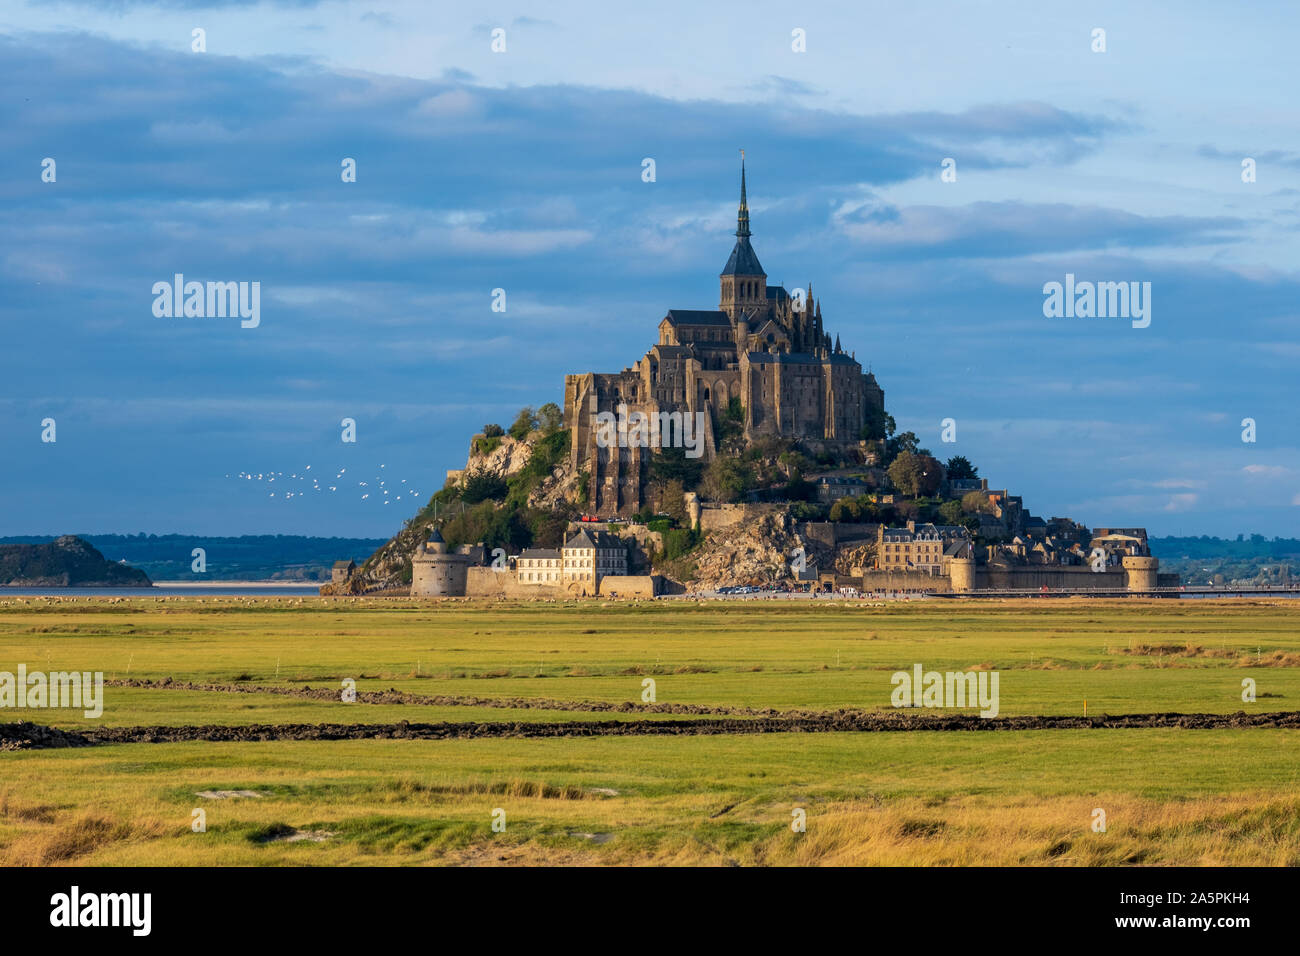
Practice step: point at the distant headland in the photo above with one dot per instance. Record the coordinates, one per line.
(65, 562)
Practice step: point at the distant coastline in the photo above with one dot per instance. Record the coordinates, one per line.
(199, 560)
(312, 586)
(214, 589)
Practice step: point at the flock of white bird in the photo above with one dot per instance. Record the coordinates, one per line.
(377, 486)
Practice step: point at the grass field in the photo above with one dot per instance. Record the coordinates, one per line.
(1170, 796)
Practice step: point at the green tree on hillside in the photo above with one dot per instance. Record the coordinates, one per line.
(726, 480)
(959, 466)
(673, 502)
(931, 473)
(481, 485)
(525, 422)
(550, 418)
(907, 441)
(879, 425)
(671, 464)
(905, 473)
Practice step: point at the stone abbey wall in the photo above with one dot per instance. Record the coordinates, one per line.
(1071, 577)
(630, 585)
(484, 582)
(905, 581)
(717, 517)
(965, 575)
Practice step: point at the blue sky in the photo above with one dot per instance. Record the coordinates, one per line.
(522, 170)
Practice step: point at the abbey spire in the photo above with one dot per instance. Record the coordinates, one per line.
(742, 214)
(743, 281)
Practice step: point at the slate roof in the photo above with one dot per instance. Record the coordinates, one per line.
(743, 261)
(594, 539)
(551, 553)
(697, 317)
(798, 358)
(673, 351)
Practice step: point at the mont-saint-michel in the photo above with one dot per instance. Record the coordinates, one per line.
(746, 448)
(833, 453)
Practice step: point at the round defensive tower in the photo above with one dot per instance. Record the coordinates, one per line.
(1141, 572)
(961, 573)
(437, 571)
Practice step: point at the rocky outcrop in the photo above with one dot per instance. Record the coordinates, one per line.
(66, 562)
(512, 456)
(757, 552)
(853, 560)
(561, 487)
(508, 458)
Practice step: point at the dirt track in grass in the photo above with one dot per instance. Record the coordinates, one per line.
(394, 696)
(25, 736)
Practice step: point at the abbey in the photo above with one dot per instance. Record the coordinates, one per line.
(763, 347)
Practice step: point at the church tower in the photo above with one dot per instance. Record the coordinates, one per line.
(743, 281)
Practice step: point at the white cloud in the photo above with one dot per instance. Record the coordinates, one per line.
(450, 103)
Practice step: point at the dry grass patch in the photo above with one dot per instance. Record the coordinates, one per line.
(12, 809)
(509, 788)
(1171, 655)
(1221, 831)
(54, 843)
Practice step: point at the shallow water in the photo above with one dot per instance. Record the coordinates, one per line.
(170, 590)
